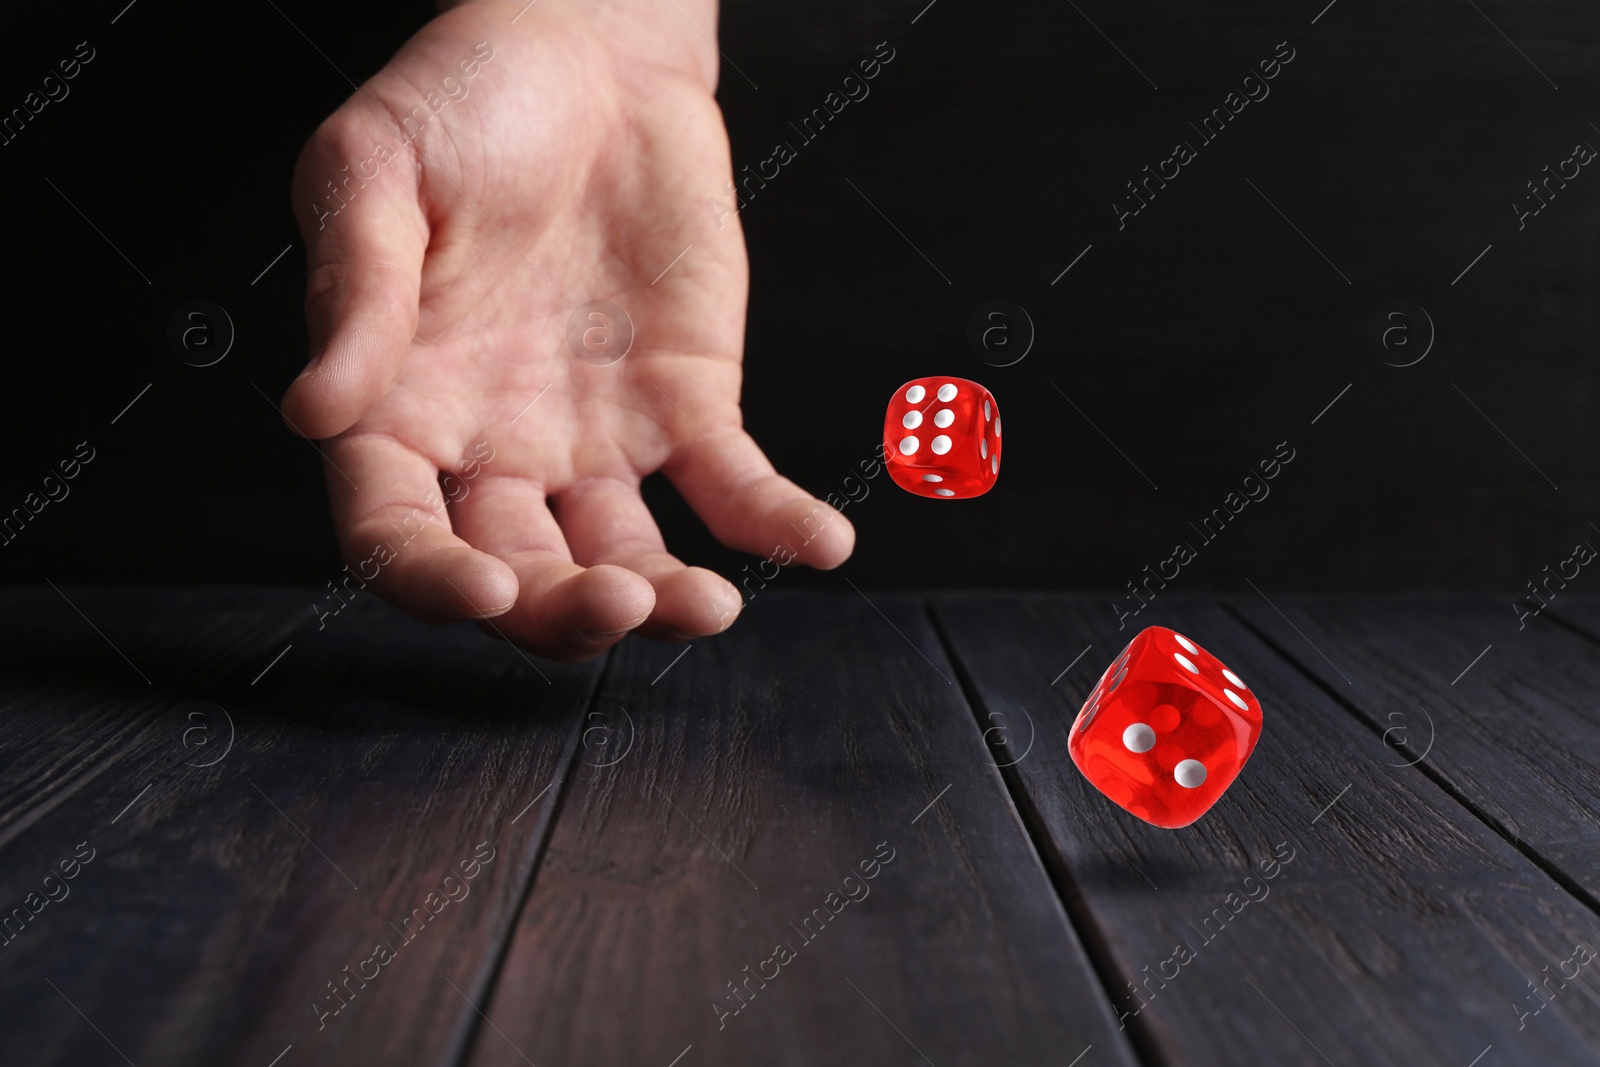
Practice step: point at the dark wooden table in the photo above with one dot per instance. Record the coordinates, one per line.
(383, 843)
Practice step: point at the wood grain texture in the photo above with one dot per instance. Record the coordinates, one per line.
(764, 767)
(367, 765)
(1507, 705)
(124, 667)
(1403, 930)
(716, 804)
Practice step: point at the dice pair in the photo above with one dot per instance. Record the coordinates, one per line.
(941, 438)
(1166, 730)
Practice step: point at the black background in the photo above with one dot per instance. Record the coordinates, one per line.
(1196, 339)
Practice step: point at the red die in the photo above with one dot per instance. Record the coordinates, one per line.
(1166, 730)
(942, 438)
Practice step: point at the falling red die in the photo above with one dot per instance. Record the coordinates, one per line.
(1166, 730)
(941, 438)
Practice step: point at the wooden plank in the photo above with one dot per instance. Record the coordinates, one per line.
(765, 767)
(221, 901)
(1401, 930)
(1500, 709)
(124, 670)
(1579, 612)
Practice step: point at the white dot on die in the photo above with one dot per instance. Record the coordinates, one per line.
(908, 445)
(932, 478)
(1138, 738)
(945, 492)
(1190, 773)
(943, 417)
(1234, 678)
(947, 392)
(1188, 664)
(915, 394)
(994, 464)
(940, 445)
(997, 426)
(1237, 699)
(985, 411)
(912, 420)
(983, 448)
(1186, 643)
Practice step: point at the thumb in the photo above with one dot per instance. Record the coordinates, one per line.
(355, 197)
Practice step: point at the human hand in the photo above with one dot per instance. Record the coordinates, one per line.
(574, 168)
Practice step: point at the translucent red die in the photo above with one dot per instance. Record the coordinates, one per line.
(941, 438)
(1166, 730)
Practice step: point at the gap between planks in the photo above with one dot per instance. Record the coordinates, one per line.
(1095, 948)
(459, 1048)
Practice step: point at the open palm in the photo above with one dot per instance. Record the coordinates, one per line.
(577, 167)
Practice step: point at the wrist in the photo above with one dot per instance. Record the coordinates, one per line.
(679, 34)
